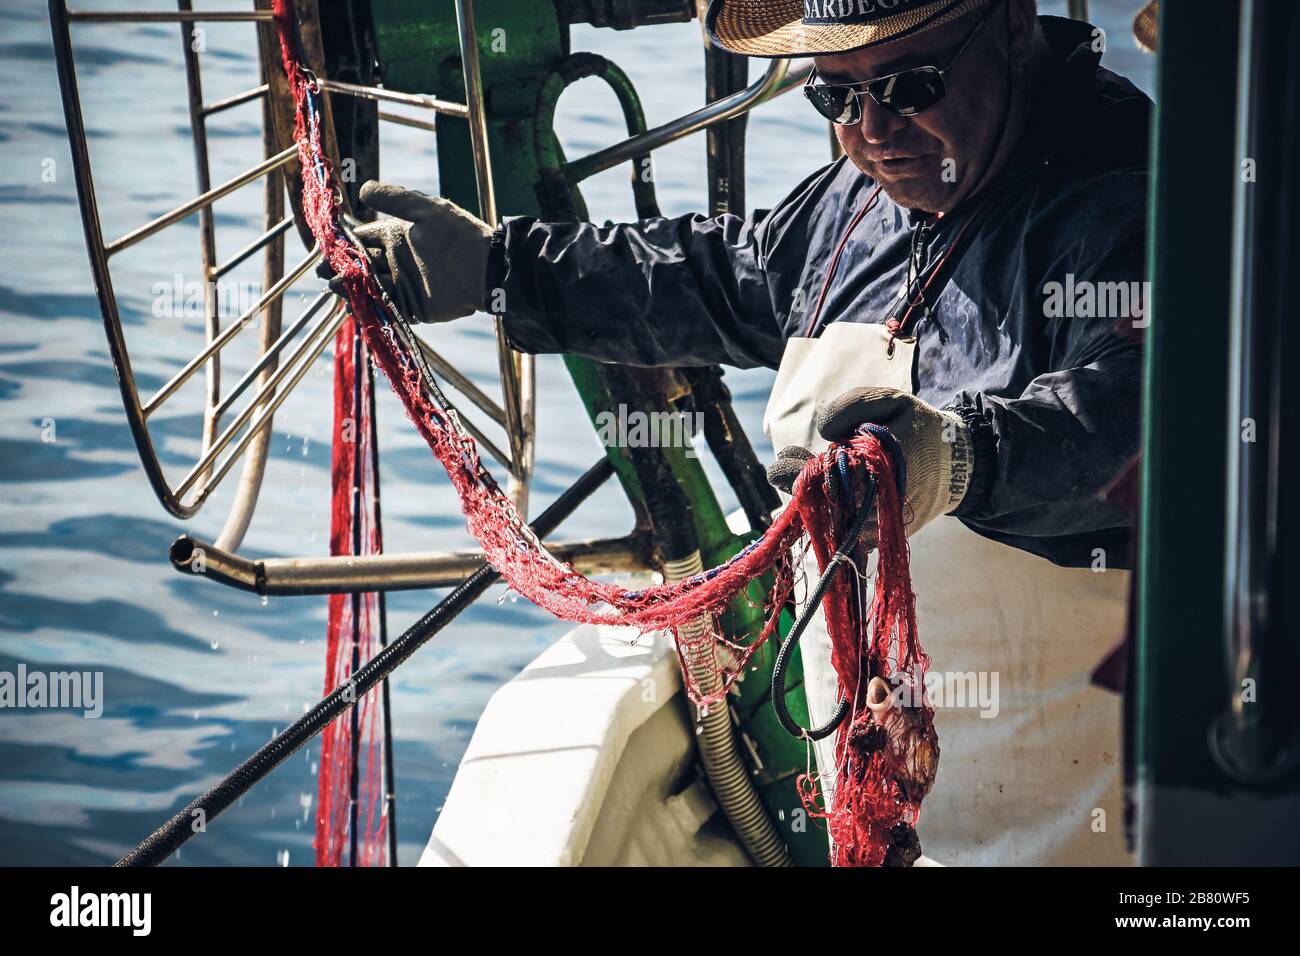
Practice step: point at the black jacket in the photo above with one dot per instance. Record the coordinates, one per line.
(1052, 388)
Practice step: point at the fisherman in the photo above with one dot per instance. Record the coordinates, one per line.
(989, 162)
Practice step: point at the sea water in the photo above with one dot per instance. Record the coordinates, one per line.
(197, 676)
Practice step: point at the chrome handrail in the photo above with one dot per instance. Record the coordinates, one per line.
(775, 81)
(516, 368)
(382, 95)
(169, 16)
(414, 571)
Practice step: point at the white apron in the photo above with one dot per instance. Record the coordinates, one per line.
(1038, 780)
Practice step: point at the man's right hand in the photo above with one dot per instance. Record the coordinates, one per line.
(431, 256)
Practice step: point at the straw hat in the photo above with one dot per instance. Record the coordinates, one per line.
(1144, 26)
(781, 28)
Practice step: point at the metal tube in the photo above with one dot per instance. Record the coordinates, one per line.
(198, 202)
(511, 364)
(249, 485)
(461, 383)
(264, 419)
(415, 571)
(164, 16)
(486, 444)
(237, 100)
(269, 353)
(220, 342)
(329, 322)
(476, 112)
(774, 82)
(207, 228)
(275, 231)
(379, 94)
(407, 121)
(95, 249)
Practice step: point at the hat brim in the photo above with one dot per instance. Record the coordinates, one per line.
(775, 28)
(1146, 26)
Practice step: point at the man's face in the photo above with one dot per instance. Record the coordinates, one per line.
(932, 160)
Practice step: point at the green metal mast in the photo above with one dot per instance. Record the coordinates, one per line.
(526, 64)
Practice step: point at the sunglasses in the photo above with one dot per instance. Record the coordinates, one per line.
(904, 93)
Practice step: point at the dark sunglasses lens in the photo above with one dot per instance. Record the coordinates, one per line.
(836, 103)
(909, 92)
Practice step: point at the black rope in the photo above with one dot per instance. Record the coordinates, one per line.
(381, 597)
(843, 557)
(199, 812)
(354, 755)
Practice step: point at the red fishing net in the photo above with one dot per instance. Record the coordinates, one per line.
(349, 790)
(885, 755)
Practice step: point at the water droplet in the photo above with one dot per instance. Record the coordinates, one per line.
(265, 600)
(282, 858)
(216, 613)
(215, 645)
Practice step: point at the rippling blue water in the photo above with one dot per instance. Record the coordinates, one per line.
(197, 676)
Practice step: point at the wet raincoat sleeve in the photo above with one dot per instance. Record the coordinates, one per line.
(1046, 458)
(691, 290)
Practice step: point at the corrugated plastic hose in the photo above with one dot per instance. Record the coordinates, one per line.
(732, 783)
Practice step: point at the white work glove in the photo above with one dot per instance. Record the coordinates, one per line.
(431, 258)
(936, 444)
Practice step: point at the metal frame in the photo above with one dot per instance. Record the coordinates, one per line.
(100, 251)
(286, 353)
(517, 369)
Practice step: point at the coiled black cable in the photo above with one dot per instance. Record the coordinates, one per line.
(843, 556)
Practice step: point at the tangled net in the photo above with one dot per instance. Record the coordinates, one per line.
(885, 758)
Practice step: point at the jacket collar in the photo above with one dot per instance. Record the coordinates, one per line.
(1083, 115)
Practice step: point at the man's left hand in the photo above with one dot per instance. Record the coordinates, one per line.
(936, 445)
